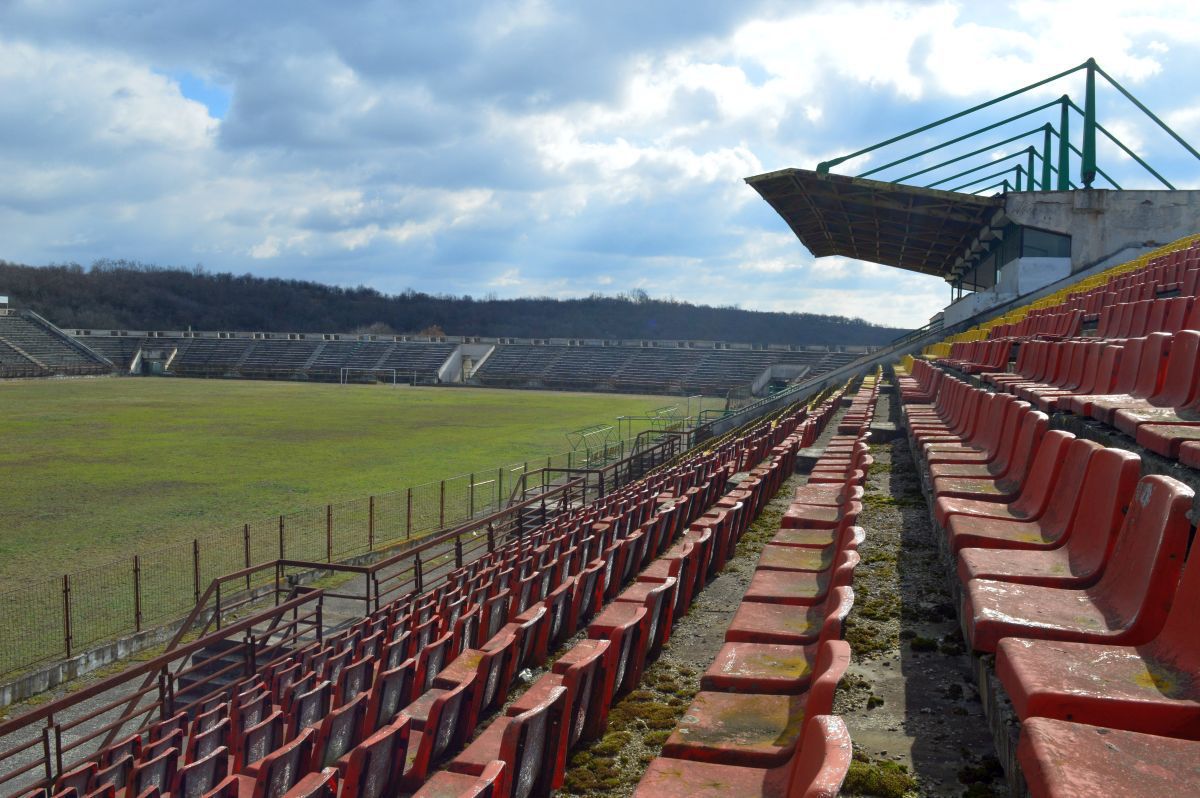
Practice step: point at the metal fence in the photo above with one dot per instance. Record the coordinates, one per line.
(56, 618)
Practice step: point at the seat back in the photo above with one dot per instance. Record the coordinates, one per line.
(130, 746)
(308, 708)
(277, 772)
(115, 774)
(340, 731)
(258, 741)
(823, 759)
(78, 778)
(374, 767)
(1029, 435)
(215, 737)
(1041, 484)
(354, 679)
(1141, 578)
(496, 668)
(431, 660)
(157, 772)
(1152, 368)
(201, 775)
(1179, 382)
(530, 745)
(582, 670)
(1108, 486)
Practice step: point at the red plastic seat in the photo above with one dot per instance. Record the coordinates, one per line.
(758, 622)
(316, 785)
(1178, 389)
(1074, 760)
(1095, 520)
(446, 784)
(801, 588)
(157, 773)
(1035, 493)
(201, 776)
(339, 731)
(627, 627)
(391, 691)
(275, 773)
(1127, 605)
(817, 769)
(659, 600)
(434, 732)
(527, 743)
(374, 767)
(1140, 378)
(756, 730)
(1153, 688)
(773, 668)
(787, 557)
(258, 741)
(1000, 480)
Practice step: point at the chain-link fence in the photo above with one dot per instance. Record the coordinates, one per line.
(59, 617)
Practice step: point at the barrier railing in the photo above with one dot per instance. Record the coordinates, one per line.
(61, 617)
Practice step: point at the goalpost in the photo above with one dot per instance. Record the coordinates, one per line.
(347, 375)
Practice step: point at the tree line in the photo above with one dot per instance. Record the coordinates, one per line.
(130, 295)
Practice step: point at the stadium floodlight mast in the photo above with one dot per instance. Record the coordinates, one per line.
(347, 374)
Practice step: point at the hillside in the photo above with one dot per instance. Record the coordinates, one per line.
(122, 295)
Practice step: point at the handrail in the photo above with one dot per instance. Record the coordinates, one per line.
(147, 667)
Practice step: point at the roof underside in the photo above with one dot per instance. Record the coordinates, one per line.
(919, 229)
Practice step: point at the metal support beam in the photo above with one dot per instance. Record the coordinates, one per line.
(1048, 129)
(1088, 171)
(1064, 152)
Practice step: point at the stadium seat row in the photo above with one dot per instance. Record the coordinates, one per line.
(761, 723)
(1073, 572)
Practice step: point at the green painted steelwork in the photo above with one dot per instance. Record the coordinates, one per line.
(1046, 157)
(1052, 178)
(1064, 144)
(1088, 168)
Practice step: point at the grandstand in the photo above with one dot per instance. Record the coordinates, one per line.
(1008, 495)
(666, 367)
(32, 347)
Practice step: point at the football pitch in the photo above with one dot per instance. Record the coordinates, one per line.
(95, 470)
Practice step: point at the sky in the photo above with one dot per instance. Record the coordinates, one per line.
(529, 147)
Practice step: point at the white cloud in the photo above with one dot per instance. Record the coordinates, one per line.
(530, 146)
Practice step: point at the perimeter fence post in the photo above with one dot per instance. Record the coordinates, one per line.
(137, 593)
(246, 548)
(66, 592)
(196, 568)
(281, 547)
(408, 516)
(329, 533)
(371, 523)
(442, 506)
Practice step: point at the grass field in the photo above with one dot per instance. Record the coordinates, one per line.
(94, 470)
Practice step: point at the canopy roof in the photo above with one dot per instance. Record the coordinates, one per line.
(919, 229)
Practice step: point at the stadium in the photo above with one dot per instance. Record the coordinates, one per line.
(604, 556)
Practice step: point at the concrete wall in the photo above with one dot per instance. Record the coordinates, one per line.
(1103, 222)
(1025, 275)
(452, 370)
